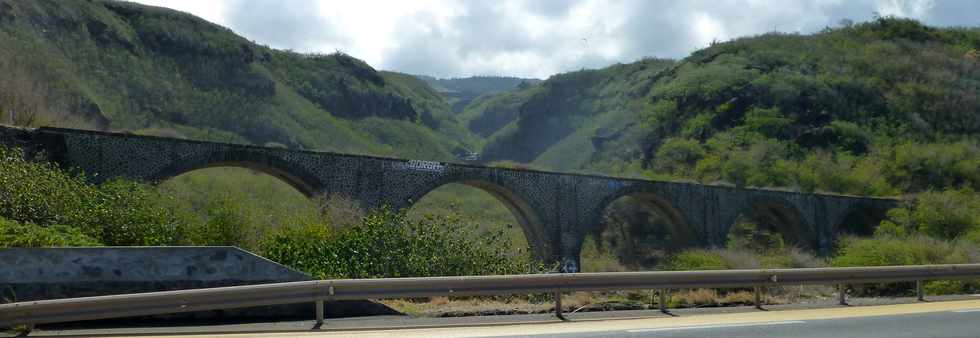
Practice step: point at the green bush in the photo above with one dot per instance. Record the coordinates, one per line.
(696, 260)
(116, 213)
(949, 287)
(888, 251)
(596, 260)
(226, 224)
(883, 251)
(389, 244)
(17, 235)
(747, 235)
(134, 214)
(948, 214)
(40, 193)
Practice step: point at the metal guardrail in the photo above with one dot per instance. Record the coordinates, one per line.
(167, 302)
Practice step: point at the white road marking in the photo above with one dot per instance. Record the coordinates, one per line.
(966, 311)
(698, 327)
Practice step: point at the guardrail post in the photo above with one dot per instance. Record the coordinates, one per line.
(919, 294)
(663, 300)
(319, 312)
(757, 297)
(841, 294)
(558, 306)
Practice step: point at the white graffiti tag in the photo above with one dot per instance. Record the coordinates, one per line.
(421, 165)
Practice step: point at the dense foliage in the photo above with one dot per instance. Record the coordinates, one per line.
(115, 213)
(123, 66)
(41, 205)
(879, 108)
(389, 244)
(27, 235)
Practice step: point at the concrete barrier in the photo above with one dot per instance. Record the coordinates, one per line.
(28, 274)
(51, 273)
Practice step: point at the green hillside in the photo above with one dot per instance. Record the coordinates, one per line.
(566, 109)
(884, 107)
(127, 67)
(460, 92)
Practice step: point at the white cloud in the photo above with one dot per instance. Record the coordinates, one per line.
(536, 38)
(905, 8)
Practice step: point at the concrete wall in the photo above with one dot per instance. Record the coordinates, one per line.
(49, 273)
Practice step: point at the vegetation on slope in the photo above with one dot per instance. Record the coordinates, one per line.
(755, 110)
(557, 110)
(123, 66)
(460, 92)
(886, 108)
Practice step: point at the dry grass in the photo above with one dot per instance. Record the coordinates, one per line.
(581, 299)
(442, 306)
(738, 298)
(695, 298)
(598, 301)
(438, 301)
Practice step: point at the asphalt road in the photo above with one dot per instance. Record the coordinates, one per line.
(937, 324)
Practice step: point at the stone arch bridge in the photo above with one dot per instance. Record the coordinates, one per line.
(555, 210)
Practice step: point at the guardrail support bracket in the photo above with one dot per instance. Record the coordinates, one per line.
(757, 297)
(319, 312)
(558, 306)
(841, 294)
(919, 294)
(663, 301)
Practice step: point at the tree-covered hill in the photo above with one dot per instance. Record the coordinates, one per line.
(123, 66)
(883, 107)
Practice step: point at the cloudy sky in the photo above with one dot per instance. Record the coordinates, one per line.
(537, 38)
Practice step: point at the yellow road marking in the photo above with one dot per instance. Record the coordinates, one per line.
(717, 326)
(760, 317)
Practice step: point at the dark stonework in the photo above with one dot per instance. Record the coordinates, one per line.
(556, 210)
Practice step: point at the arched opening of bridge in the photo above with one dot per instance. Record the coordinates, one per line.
(487, 207)
(636, 232)
(235, 205)
(860, 221)
(768, 225)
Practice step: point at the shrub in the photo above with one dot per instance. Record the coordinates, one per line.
(695, 298)
(387, 244)
(949, 287)
(226, 224)
(882, 251)
(118, 212)
(14, 235)
(885, 251)
(677, 155)
(973, 236)
(596, 260)
(134, 214)
(696, 260)
(746, 235)
(948, 214)
(40, 193)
